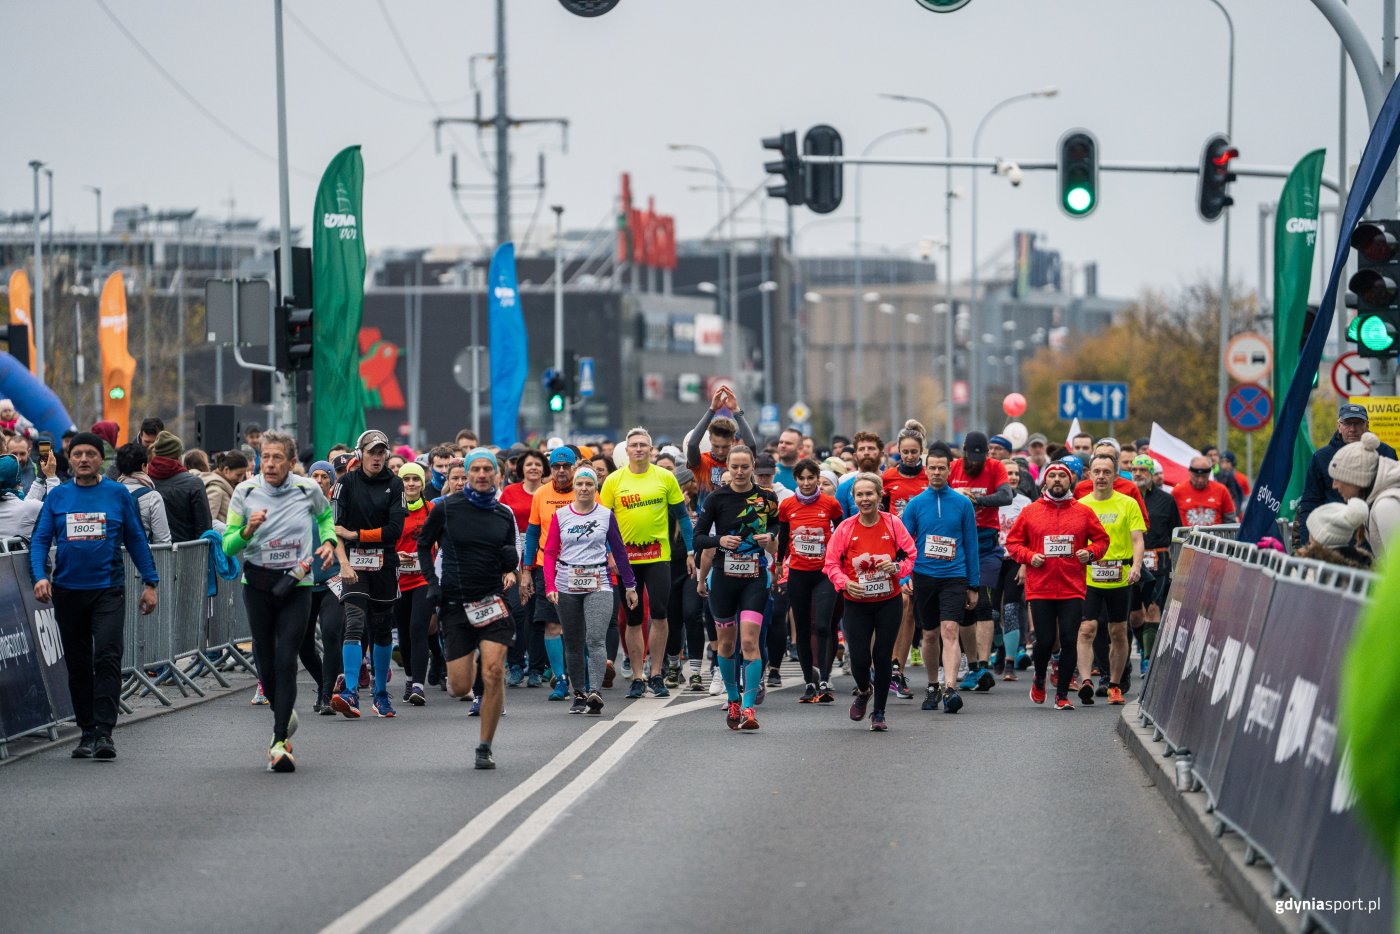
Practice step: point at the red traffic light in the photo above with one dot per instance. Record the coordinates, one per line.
(1222, 159)
(1374, 243)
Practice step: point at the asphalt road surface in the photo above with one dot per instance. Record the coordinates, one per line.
(1005, 817)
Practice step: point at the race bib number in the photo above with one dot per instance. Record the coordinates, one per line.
(940, 547)
(876, 585)
(1058, 546)
(716, 476)
(487, 611)
(336, 586)
(1107, 573)
(741, 565)
(809, 546)
(281, 554)
(1149, 560)
(584, 581)
(85, 526)
(363, 559)
(408, 563)
(646, 551)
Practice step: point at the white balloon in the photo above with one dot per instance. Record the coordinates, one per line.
(1017, 434)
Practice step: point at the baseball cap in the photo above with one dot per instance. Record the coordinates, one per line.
(342, 462)
(1037, 438)
(1351, 410)
(765, 465)
(562, 455)
(975, 443)
(372, 439)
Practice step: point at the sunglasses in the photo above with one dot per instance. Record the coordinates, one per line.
(1200, 471)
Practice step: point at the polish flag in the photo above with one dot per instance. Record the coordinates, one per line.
(1074, 429)
(1173, 454)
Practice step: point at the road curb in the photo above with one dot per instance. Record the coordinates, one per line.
(1251, 886)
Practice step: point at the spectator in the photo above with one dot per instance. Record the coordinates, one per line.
(17, 515)
(467, 440)
(186, 505)
(230, 469)
(150, 505)
(108, 432)
(1359, 470)
(1352, 422)
(150, 428)
(196, 461)
(1332, 529)
(19, 447)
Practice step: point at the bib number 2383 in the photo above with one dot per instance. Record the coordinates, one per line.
(485, 612)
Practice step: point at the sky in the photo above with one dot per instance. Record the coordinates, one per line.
(1149, 79)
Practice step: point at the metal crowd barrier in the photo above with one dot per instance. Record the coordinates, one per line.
(1243, 688)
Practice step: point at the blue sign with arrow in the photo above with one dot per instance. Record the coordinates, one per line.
(585, 377)
(1093, 402)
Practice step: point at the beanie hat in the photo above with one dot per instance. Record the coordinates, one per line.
(1001, 441)
(9, 473)
(107, 431)
(1356, 463)
(586, 473)
(323, 465)
(88, 438)
(684, 475)
(412, 470)
(1056, 465)
(1335, 524)
(168, 445)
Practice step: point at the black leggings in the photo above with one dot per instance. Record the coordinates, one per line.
(278, 627)
(326, 609)
(861, 622)
(1056, 617)
(813, 598)
(411, 614)
(685, 615)
(363, 615)
(777, 620)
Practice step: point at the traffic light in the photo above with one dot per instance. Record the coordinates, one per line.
(822, 189)
(294, 349)
(116, 390)
(554, 386)
(16, 336)
(1374, 289)
(1213, 182)
(1078, 166)
(794, 188)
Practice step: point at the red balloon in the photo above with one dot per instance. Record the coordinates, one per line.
(1014, 405)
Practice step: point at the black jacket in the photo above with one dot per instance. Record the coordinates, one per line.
(477, 547)
(374, 507)
(1317, 488)
(186, 506)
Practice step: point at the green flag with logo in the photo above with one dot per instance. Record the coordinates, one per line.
(1295, 236)
(338, 271)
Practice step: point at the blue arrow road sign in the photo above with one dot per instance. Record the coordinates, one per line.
(1093, 402)
(585, 377)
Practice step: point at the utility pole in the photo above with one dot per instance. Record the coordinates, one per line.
(284, 386)
(561, 420)
(36, 165)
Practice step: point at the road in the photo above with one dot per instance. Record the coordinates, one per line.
(1004, 817)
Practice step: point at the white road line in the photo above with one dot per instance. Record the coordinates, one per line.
(446, 907)
(422, 872)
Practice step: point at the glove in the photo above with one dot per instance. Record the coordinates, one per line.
(434, 595)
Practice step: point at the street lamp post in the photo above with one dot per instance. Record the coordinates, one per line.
(766, 288)
(974, 300)
(48, 179)
(732, 272)
(891, 365)
(38, 308)
(561, 420)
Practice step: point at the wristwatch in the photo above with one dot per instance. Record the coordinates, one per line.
(151, 584)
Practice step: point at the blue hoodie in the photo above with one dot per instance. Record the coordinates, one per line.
(946, 514)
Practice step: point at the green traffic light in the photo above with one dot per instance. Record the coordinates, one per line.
(116, 392)
(1079, 199)
(1375, 334)
(556, 402)
(1354, 330)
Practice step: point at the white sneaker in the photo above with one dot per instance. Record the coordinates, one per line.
(626, 668)
(716, 683)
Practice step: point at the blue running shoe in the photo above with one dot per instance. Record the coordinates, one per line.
(1142, 667)
(561, 691)
(969, 681)
(952, 702)
(985, 680)
(476, 708)
(382, 707)
(347, 704)
(533, 680)
(515, 676)
(638, 689)
(1023, 660)
(658, 687)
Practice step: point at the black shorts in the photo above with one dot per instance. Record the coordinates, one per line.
(937, 599)
(381, 586)
(653, 580)
(545, 610)
(1107, 605)
(460, 638)
(730, 596)
(989, 568)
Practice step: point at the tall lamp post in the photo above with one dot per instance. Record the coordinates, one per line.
(974, 301)
(732, 272)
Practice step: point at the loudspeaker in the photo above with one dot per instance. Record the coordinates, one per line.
(217, 428)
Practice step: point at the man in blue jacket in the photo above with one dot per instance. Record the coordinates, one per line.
(947, 573)
(1352, 422)
(89, 520)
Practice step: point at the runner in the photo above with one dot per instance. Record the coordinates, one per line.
(805, 523)
(267, 524)
(1203, 501)
(520, 497)
(869, 449)
(644, 498)
(553, 495)
(88, 521)
(904, 481)
(475, 537)
(947, 574)
(1110, 578)
(1009, 594)
(412, 612)
(1150, 594)
(709, 465)
(1124, 485)
(737, 519)
(581, 537)
(328, 613)
(866, 558)
(686, 609)
(788, 453)
(369, 518)
(986, 483)
(1054, 536)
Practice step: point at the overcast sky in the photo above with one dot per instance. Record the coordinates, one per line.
(1149, 78)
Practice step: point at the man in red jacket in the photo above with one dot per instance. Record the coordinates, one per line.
(1054, 537)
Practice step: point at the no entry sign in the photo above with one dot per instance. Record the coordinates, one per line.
(1249, 407)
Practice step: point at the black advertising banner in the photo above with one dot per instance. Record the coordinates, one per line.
(24, 700)
(1180, 642)
(44, 629)
(1187, 577)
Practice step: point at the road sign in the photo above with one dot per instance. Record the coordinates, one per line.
(1351, 376)
(768, 419)
(1249, 407)
(799, 412)
(1249, 357)
(1094, 402)
(585, 377)
(1383, 416)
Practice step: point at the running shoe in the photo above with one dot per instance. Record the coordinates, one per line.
(1086, 692)
(292, 724)
(732, 714)
(382, 707)
(515, 676)
(259, 698)
(858, 706)
(1062, 702)
(627, 668)
(1102, 689)
(968, 682)
(579, 705)
(809, 695)
(673, 676)
(985, 680)
(1037, 691)
(877, 722)
(609, 675)
(595, 704)
(775, 680)
(396, 655)
(347, 704)
(534, 679)
(952, 702)
(407, 690)
(932, 695)
(792, 653)
(320, 705)
(365, 677)
(1023, 660)
(1073, 683)
(716, 682)
(748, 720)
(999, 666)
(1010, 674)
(484, 760)
(825, 695)
(475, 710)
(548, 676)
(658, 687)
(435, 672)
(638, 689)
(1142, 666)
(279, 758)
(104, 748)
(762, 693)
(697, 683)
(1115, 697)
(902, 686)
(416, 696)
(87, 746)
(916, 658)
(560, 691)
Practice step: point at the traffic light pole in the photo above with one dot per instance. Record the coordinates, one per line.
(284, 386)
